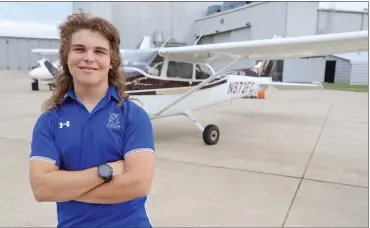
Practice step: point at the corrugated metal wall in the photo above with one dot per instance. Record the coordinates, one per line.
(334, 21)
(342, 71)
(16, 53)
(359, 73)
(304, 70)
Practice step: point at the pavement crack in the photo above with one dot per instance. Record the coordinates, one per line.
(338, 183)
(229, 168)
(308, 163)
(23, 140)
(259, 172)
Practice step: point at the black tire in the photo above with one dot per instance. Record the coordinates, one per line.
(211, 134)
(35, 85)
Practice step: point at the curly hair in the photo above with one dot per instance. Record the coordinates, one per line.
(64, 80)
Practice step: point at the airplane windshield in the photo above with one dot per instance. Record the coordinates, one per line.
(140, 59)
(137, 58)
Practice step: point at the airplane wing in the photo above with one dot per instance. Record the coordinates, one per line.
(271, 49)
(46, 51)
(292, 85)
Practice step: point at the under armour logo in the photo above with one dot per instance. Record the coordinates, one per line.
(67, 123)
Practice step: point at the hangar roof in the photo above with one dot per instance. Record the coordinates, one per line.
(28, 29)
(354, 56)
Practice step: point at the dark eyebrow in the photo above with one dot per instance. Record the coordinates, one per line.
(102, 49)
(77, 45)
(98, 48)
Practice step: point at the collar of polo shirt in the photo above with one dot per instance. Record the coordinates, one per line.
(112, 92)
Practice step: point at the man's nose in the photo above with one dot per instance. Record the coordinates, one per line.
(89, 56)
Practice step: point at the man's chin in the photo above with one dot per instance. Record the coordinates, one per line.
(89, 82)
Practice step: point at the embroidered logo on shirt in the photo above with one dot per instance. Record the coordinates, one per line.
(114, 121)
(67, 124)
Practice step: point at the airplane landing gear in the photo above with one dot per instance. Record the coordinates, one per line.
(211, 133)
(50, 86)
(35, 85)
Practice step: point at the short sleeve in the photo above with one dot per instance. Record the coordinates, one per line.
(43, 146)
(138, 136)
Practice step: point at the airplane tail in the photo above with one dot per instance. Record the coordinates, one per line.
(146, 42)
(51, 68)
(265, 67)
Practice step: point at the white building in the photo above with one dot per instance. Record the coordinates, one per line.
(349, 68)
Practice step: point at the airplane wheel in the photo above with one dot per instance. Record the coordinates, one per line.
(35, 85)
(211, 134)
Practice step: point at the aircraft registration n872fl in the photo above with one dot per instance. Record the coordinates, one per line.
(171, 81)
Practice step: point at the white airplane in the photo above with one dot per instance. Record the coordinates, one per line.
(172, 81)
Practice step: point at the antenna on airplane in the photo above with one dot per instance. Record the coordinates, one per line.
(195, 43)
(165, 42)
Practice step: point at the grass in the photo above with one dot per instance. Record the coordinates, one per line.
(346, 87)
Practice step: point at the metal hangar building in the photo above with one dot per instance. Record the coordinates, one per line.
(15, 51)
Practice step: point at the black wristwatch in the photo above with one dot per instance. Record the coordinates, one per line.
(105, 172)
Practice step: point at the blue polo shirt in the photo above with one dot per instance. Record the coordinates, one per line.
(74, 139)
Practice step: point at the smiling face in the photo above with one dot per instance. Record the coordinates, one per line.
(89, 58)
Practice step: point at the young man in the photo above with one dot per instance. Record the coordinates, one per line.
(92, 148)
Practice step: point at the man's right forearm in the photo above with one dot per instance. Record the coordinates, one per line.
(60, 185)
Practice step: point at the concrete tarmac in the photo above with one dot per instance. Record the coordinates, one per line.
(297, 158)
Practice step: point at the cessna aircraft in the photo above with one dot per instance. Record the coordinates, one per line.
(171, 81)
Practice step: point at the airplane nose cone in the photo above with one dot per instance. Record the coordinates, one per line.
(33, 73)
(40, 73)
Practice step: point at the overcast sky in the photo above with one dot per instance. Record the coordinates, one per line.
(39, 19)
(32, 19)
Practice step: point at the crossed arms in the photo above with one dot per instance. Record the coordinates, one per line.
(131, 179)
(132, 176)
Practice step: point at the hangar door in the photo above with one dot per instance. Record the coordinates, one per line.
(242, 34)
(215, 38)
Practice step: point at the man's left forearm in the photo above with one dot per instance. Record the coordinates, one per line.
(120, 189)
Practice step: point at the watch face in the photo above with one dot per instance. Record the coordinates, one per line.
(105, 171)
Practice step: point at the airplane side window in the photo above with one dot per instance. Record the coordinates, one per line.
(180, 70)
(172, 70)
(155, 67)
(202, 72)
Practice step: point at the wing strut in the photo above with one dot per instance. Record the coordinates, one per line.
(197, 87)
